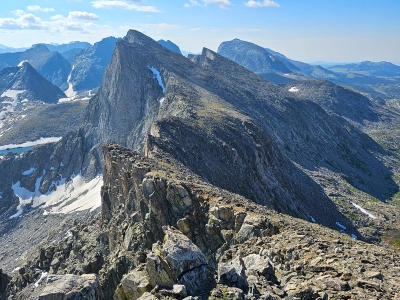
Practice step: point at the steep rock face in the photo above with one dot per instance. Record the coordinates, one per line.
(90, 64)
(33, 86)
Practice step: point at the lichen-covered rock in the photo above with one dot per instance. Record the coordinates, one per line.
(72, 287)
(133, 285)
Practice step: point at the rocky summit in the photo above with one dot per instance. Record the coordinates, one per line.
(195, 178)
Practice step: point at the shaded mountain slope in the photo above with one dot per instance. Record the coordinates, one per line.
(336, 99)
(51, 65)
(33, 86)
(90, 64)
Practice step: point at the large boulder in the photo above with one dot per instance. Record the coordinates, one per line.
(133, 285)
(72, 287)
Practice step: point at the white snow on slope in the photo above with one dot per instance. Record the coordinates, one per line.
(158, 76)
(162, 101)
(293, 89)
(363, 210)
(70, 93)
(24, 195)
(13, 94)
(40, 141)
(43, 276)
(85, 195)
(22, 63)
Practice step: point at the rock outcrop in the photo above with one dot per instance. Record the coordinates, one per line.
(226, 246)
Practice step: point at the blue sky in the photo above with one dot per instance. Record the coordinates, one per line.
(307, 30)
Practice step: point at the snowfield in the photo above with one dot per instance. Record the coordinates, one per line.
(63, 197)
(40, 141)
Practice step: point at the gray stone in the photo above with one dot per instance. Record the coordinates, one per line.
(72, 287)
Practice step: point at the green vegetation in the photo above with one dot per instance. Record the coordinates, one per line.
(392, 237)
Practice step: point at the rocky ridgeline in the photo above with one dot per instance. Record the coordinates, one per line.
(164, 233)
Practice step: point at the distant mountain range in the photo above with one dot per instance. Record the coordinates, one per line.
(30, 83)
(51, 65)
(170, 45)
(66, 47)
(277, 68)
(383, 68)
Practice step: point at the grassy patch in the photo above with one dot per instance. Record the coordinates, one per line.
(392, 237)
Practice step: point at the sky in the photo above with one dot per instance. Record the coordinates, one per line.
(305, 30)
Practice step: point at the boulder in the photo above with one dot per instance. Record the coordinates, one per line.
(72, 287)
(133, 285)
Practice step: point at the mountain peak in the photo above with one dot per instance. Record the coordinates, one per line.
(136, 37)
(39, 48)
(170, 45)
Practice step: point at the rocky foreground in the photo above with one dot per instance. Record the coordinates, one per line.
(164, 233)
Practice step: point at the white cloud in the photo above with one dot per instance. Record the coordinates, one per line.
(204, 3)
(38, 8)
(82, 15)
(121, 4)
(26, 21)
(75, 21)
(195, 29)
(252, 3)
(19, 12)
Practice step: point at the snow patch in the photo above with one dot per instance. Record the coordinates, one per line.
(312, 219)
(21, 64)
(40, 141)
(61, 164)
(158, 76)
(162, 101)
(293, 89)
(341, 226)
(43, 276)
(353, 236)
(70, 93)
(363, 210)
(13, 94)
(28, 172)
(85, 195)
(24, 195)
